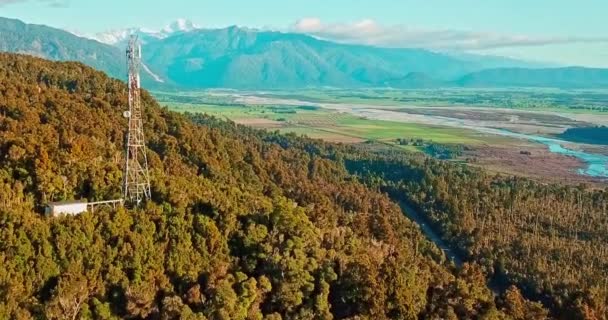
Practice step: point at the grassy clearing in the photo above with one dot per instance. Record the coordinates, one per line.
(333, 126)
(387, 130)
(223, 111)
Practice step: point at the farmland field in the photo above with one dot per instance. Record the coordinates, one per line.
(500, 130)
(329, 125)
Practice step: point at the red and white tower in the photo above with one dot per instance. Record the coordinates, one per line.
(136, 187)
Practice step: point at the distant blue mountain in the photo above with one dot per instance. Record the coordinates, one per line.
(417, 80)
(570, 77)
(502, 62)
(241, 58)
(56, 44)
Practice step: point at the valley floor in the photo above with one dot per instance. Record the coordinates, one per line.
(508, 140)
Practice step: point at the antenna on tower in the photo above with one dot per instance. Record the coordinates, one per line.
(136, 176)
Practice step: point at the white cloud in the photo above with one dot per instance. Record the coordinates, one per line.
(369, 32)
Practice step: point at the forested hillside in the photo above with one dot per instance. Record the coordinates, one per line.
(56, 44)
(59, 45)
(244, 58)
(551, 240)
(242, 225)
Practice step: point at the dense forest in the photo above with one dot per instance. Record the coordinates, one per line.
(243, 224)
(551, 240)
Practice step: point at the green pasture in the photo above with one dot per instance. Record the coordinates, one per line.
(321, 123)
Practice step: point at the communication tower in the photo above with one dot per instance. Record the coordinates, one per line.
(136, 186)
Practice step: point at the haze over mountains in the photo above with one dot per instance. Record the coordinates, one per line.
(185, 56)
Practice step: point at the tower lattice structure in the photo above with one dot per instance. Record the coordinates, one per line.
(136, 188)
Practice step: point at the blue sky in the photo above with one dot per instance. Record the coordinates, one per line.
(572, 32)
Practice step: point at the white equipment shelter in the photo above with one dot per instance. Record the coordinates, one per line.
(71, 208)
(55, 209)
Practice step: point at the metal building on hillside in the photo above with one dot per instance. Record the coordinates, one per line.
(66, 208)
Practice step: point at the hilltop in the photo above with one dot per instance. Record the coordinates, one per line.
(242, 224)
(247, 223)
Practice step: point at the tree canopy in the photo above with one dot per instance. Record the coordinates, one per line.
(242, 224)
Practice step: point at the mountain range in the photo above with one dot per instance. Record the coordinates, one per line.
(184, 56)
(119, 38)
(55, 44)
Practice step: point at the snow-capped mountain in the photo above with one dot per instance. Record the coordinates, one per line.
(179, 25)
(243, 58)
(119, 38)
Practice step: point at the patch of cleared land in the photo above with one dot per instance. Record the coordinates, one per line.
(260, 123)
(356, 120)
(539, 163)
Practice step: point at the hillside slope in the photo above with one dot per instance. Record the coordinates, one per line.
(243, 58)
(242, 224)
(567, 78)
(56, 44)
(59, 45)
